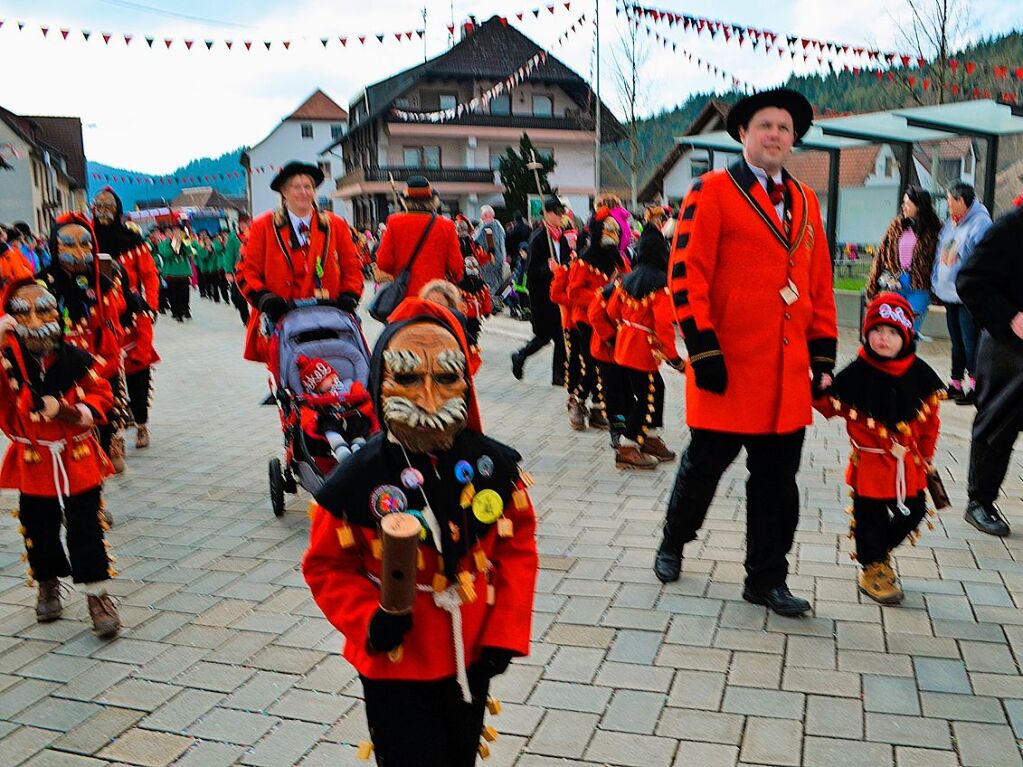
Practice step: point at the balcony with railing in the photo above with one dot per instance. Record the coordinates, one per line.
(401, 173)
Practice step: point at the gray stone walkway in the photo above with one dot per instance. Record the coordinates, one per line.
(226, 660)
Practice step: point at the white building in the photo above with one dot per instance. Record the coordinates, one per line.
(42, 169)
(317, 123)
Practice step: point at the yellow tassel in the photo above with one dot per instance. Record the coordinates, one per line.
(853, 415)
(440, 582)
(493, 706)
(930, 525)
(377, 548)
(112, 572)
(14, 513)
(29, 544)
(903, 428)
(505, 528)
(345, 537)
(420, 562)
(365, 750)
(489, 734)
(849, 510)
(870, 423)
(481, 560)
(22, 529)
(484, 750)
(882, 432)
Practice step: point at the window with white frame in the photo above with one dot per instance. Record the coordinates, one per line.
(307, 130)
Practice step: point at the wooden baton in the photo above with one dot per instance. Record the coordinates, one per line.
(399, 534)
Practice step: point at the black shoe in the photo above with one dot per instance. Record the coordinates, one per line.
(518, 365)
(779, 599)
(667, 566)
(986, 518)
(966, 398)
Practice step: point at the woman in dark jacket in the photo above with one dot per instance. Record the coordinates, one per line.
(906, 256)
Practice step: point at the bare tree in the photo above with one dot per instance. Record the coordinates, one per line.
(630, 55)
(937, 28)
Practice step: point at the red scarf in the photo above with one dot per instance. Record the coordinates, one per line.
(893, 367)
(554, 230)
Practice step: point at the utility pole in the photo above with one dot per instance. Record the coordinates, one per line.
(596, 149)
(424, 33)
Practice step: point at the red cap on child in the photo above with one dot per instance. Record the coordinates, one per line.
(313, 371)
(893, 310)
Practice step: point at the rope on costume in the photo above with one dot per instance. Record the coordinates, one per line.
(900, 473)
(61, 483)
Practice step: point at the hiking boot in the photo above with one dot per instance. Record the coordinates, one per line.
(518, 360)
(576, 414)
(597, 418)
(117, 453)
(48, 607)
(631, 457)
(141, 436)
(105, 620)
(987, 518)
(655, 446)
(876, 581)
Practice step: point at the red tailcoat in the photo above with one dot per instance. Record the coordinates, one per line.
(602, 344)
(103, 339)
(644, 324)
(144, 279)
(559, 295)
(730, 258)
(584, 281)
(440, 256)
(29, 468)
(270, 263)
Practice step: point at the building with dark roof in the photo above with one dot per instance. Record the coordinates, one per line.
(318, 121)
(459, 154)
(42, 168)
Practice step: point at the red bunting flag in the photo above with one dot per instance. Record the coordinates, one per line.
(343, 41)
(229, 44)
(127, 39)
(167, 41)
(248, 45)
(188, 44)
(106, 38)
(287, 45)
(64, 33)
(45, 31)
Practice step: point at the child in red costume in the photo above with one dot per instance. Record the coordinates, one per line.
(889, 399)
(340, 412)
(51, 397)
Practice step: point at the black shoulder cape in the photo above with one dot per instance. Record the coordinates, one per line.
(885, 398)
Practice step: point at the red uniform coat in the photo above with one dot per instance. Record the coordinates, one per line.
(730, 258)
(584, 281)
(440, 256)
(30, 468)
(644, 324)
(559, 295)
(602, 343)
(102, 338)
(144, 279)
(872, 475)
(270, 263)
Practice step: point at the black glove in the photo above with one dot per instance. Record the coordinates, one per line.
(493, 662)
(273, 306)
(386, 631)
(822, 361)
(707, 361)
(348, 302)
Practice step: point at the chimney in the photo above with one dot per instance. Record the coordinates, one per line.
(468, 27)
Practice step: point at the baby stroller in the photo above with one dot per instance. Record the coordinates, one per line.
(311, 331)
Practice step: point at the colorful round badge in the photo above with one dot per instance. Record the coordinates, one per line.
(485, 466)
(464, 472)
(411, 478)
(487, 506)
(387, 499)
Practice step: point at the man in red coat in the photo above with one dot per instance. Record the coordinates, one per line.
(293, 253)
(750, 277)
(439, 256)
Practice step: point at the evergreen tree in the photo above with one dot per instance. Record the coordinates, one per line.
(518, 180)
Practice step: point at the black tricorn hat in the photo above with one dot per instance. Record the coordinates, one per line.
(784, 98)
(296, 168)
(554, 204)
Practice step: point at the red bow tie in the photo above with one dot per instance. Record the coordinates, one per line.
(776, 192)
(303, 228)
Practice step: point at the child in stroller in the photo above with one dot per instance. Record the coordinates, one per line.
(337, 411)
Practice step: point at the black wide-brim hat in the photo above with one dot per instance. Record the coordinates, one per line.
(791, 101)
(295, 168)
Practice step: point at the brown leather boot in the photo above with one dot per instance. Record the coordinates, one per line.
(141, 436)
(48, 606)
(875, 582)
(597, 418)
(655, 446)
(117, 453)
(576, 414)
(105, 620)
(631, 457)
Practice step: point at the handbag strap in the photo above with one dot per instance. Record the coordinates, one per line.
(419, 246)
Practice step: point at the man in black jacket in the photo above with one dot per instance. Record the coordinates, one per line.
(546, 244)
(990, 284)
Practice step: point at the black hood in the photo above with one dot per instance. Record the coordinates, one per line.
(651, 269)
(116, 238)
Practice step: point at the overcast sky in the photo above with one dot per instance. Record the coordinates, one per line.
(153, 110)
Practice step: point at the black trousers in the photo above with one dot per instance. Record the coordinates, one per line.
(140, 390)
(41, 517)
(989, 463)
(614, 391)
(220, 289)
(425, 724)
(203, 279)
(164, 296)
(240, 303)
(582, 369)
(543, 334)
(179, 289)
(646, 410)
(772, 497)
(880, 526)
(116, 416)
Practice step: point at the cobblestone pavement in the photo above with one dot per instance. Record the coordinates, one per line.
(226, 660)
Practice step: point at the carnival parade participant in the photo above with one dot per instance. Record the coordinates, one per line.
(478, 562)
(232, 255)
(51, 396)
(176, 257)
(296, 252)
(128, 248)
(890, 400)
(750, 277)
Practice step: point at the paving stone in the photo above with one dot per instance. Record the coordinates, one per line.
(97, 731)
(834, 717)
(985, 656)
(51, 758)
(23, 743)
(23, 695)
(811, 652)
(285, 745)
(706, 726)
(139, 694)
(574, 664)
(766, 703)
(572, 697)
(890, 695)
(57, 714)
(206, 753)
(772, 741)
(939, 675)
(967, 708)
(311, 706)
(986, 745)
(631, 750)
(631, 676)
(908, 731)
(635, 646)
(633, 711)
(229, 726)
(830, 752)
(921, 757)
(183, 709)
(146, 748)
(563, 734)
(751, 669)
(697, 689)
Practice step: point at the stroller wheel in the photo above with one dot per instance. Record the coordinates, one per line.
(290, 485)
(276, 487)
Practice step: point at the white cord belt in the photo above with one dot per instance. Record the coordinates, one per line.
(900, 472)
(637, 326)
(450, 602)
(61, 483)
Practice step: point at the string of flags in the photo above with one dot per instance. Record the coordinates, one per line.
(811, 49)
(482, 101)
(231, 44)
